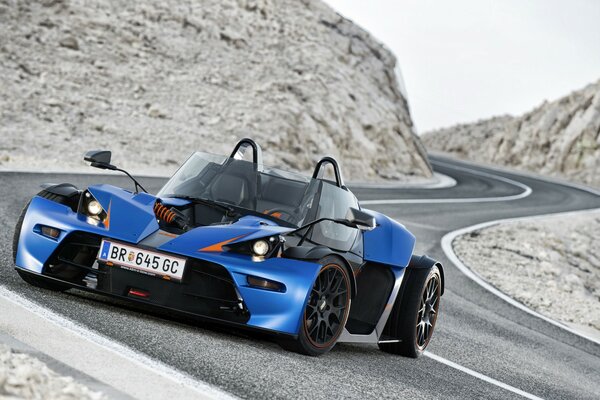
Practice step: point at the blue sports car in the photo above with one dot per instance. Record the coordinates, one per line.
(231, 240)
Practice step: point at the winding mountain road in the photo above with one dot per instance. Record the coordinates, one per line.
(483, 346)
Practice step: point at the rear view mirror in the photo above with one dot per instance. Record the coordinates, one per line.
(98, 158)
(360, 219)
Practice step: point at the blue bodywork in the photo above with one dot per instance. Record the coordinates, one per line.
(131, 219)
(391, 243)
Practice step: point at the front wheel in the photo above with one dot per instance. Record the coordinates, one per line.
(326, 311)
(30, 278)
(415, 312)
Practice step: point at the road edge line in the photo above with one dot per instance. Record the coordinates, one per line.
(446, 244)
(481, 376)
(526, 190)
(166, 371)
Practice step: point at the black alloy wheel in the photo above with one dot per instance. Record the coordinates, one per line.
(326, 311)
(412, 321)
(327, 306)
(428, 312)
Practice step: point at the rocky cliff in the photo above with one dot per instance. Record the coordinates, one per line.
(560, 138)
(155, 80)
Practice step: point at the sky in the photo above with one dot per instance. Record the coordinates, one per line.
(464, 60)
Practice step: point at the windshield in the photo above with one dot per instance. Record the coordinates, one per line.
(288, 196)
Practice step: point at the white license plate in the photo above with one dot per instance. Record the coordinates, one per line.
(141, 260)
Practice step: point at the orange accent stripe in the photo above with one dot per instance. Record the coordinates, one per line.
(218, 247)
(167, 234)
(107, 220)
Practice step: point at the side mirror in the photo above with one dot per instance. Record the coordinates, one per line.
(360, 219)
(99, 159)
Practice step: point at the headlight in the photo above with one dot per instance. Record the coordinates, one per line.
(94, 208)
(90, 207)
(260, 248)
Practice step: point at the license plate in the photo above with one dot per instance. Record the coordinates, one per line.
(141, 260)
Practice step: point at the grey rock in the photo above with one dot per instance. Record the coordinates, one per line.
(69, 42)
(291, 74)
(559, 138)
(25, 377)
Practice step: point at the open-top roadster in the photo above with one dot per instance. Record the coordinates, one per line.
(232, 240)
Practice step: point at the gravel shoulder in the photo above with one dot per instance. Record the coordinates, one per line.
(25, 377)
(548, 264)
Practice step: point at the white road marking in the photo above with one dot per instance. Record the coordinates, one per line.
(481, 376)
(528, 174)
(200, 390)
(449, 251)
(526, 191)
(422, 226)
(443, 182)
(446, 246)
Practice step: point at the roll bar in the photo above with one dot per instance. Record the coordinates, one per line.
(256, 152)
(336, 168)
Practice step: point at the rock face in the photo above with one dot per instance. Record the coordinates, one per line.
(156, 80)
(560, 138)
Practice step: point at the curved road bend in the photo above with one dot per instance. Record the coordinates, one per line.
(476, 330)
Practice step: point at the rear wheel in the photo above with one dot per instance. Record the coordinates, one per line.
(415, 312)
(326, 311)
(17, 233)
(26, 276)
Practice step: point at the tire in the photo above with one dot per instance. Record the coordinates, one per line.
(326, 311)
(17, 233)
(415, 312)
(47, 195)
(29, 277)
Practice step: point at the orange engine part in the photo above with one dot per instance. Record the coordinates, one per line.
(163, 213)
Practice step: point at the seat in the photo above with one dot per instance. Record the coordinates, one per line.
(235, 184)
(230, 188)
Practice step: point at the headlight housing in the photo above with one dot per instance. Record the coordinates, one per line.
(259, 249)
(92, 208)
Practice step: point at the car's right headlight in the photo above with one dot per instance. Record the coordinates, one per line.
(92, 208)
(259, 249)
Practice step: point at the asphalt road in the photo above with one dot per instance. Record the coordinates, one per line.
(475, 329)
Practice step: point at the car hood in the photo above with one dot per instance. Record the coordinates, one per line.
(131, 217)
